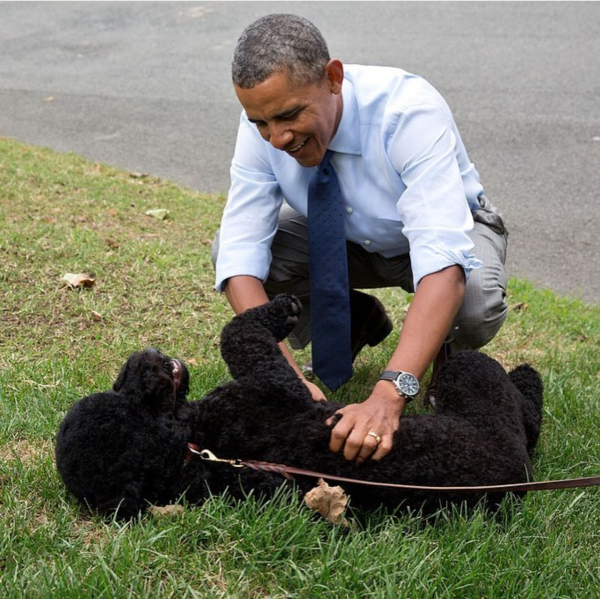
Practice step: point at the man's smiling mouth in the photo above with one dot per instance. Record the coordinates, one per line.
(295, 149)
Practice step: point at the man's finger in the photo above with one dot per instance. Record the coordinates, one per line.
(339, 435)
(383, 448)
(368, 447)
(360, 446)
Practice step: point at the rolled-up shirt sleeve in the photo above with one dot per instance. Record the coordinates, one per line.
(436, 217)
(250, 217)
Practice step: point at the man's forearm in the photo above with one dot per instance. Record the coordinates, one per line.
(436, 302)
(244, 292)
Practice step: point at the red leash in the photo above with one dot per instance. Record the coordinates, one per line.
(287, 471)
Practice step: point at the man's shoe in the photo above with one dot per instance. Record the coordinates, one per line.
(370, 323)
(438, 363)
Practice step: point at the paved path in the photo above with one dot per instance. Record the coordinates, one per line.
(145, 87)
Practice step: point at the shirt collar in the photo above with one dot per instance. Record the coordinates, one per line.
(347, 137)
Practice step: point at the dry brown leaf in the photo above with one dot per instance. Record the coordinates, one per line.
(73, 281)
(328, 501)
(167, 510)
(518, 306)
(111, 243)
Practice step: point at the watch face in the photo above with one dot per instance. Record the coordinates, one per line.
(408, 384)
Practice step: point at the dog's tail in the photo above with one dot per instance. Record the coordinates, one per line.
(529, 382)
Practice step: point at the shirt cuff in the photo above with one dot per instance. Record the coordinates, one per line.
(242, 260)
(428, 260)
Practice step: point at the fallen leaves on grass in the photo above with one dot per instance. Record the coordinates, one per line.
(519, 306)
(112, 244)
(79, 280)
(159, 213)
(328, 501)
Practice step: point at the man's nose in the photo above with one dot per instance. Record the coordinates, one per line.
(280, 136)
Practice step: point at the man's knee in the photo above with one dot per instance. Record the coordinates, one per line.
(479, 319)
(484, 307)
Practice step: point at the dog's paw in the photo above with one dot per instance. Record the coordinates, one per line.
(286, 307)
(282, 315)
(279, 316)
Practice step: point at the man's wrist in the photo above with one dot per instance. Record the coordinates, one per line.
(388, 390)
(405, 383)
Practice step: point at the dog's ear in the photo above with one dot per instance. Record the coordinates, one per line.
(146, 378)
(133, 374)
(118, 385)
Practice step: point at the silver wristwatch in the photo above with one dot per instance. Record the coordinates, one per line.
(406, 383)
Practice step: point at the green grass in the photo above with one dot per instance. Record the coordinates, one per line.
(154, 286)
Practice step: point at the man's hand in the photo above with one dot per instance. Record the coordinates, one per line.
(435, 304)
(378, 414)
(316, 393)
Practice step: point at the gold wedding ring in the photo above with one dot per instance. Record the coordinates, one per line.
(375, 436)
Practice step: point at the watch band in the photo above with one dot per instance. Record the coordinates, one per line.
(393, 375)
(389, 375)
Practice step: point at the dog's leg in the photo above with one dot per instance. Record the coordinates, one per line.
(249, 346)
(278, 317)
(528, 381)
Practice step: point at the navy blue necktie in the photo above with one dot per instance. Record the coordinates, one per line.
(329, 289)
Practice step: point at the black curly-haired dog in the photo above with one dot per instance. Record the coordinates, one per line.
(122, 450)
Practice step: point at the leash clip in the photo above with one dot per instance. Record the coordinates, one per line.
(209, 456)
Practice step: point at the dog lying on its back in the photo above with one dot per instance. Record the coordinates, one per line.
(125, 449)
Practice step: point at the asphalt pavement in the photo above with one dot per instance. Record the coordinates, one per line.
(145, 86)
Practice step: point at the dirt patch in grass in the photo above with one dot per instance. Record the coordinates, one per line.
(27, 451)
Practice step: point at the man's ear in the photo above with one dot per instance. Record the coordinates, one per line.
(334, 71)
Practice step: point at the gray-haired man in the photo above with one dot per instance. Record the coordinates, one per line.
(415, 211)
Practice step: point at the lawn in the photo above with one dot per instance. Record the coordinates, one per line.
(153, 286)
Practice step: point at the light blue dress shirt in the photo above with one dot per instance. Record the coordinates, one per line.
(408, 184)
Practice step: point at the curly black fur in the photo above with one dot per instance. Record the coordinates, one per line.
(125, 449)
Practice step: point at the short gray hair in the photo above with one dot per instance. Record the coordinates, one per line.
(279, 43)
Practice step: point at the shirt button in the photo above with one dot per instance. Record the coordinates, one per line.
(367, 242)
(349, 210)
